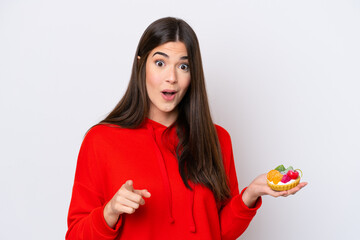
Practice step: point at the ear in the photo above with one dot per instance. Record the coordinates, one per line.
(138, 57)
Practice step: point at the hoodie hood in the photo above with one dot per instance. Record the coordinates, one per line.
(156, 131)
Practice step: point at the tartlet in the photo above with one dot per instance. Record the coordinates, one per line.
(282, 179)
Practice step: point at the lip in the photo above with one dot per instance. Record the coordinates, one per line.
(166, 97)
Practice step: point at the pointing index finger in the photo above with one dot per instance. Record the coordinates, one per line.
(144, 193)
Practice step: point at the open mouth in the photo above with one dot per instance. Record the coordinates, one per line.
(168, 93)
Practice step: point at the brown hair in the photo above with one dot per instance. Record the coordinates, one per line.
(198, 152)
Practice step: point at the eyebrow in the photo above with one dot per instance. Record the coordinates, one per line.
(167, 56)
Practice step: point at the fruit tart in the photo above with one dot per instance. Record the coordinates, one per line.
(282, 179)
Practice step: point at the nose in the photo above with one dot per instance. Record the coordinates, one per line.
(171, 75)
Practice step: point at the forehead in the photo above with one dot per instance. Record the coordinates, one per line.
(171, 48)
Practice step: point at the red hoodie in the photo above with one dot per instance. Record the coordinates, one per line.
(109, 156)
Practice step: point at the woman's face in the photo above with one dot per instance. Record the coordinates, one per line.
(167, 79)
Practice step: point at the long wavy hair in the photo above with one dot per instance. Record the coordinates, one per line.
(198, 151)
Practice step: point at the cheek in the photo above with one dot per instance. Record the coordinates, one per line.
(152, 80)
(186, 83)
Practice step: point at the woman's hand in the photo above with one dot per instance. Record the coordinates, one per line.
(126, 200)
(259, 187)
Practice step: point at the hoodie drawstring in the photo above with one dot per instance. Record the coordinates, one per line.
(166, 182)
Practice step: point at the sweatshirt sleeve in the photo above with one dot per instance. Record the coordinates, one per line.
(235, 216)
(85, 217)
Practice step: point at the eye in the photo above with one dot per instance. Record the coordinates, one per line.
(184, 67)
(159, 63)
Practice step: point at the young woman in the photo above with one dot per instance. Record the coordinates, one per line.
(157, 167)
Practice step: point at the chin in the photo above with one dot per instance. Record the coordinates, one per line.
(168, 110)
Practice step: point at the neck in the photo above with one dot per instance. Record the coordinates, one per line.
(164, 119)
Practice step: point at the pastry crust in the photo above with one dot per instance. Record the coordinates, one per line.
(284, 187)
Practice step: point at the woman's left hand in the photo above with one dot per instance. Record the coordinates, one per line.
(258, 187)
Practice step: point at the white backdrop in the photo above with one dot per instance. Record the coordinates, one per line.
(282, 77)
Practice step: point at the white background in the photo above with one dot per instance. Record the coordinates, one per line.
(282, 77)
